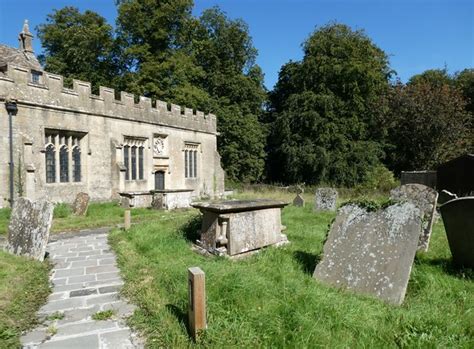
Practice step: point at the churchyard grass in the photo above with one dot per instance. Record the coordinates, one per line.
(98, 215)
(24, 287)
(271, 300)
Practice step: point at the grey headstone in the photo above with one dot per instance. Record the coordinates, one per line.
(458, 219)
(424, 198)
(81, 204)
(30, 223)
(372, 252)
(125, 202)
(298, 201)
(325, 199)
(157, 202)
(446, 196)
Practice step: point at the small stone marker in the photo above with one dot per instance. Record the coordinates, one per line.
(81, 204)
(424, 198)
(127, 219)
(325, 199)
(458, 219)
(30, 223)
(372, 252)
(197, 300)
(298, 201)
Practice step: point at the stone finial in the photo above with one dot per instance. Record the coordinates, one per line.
(26, 38)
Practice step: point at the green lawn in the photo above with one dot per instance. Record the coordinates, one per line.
(271, 299)
(24, 287)
(98, 215)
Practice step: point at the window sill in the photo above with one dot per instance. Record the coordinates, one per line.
(65, 183)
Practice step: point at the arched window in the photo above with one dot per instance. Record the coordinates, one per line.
(195, 163)
(126, 161)
(64, 164)
(76, 163)
(140, 163)
(50, 164)
(186, 164)
(134, 163)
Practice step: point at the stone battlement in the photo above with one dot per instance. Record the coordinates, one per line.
(16, 83)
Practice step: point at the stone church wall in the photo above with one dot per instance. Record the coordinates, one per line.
(104, 126)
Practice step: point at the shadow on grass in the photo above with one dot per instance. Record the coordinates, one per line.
(190, 230)
(180, 315)
(307, 260)
(450, 268)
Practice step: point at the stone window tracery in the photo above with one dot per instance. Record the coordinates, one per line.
(63, 156)
(134, 158)
(190, 160)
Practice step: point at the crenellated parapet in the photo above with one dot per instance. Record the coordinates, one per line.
(48, 91)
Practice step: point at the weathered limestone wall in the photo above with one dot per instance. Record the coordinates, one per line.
(105, 123)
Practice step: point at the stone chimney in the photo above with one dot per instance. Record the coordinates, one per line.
(26, 38)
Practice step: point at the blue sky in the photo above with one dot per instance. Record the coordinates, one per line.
(417, 34)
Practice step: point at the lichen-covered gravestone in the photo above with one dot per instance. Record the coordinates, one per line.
(298, 201)
(81, 204)
(29, 227)
(325, 199)
(425, 199)
(372, 252)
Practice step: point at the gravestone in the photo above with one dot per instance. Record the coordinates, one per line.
(29, 227)
(424, 198)
(125, 202)
(458, 219)
(325, 199)
(81, 204)
(371, 252)
(298, 201)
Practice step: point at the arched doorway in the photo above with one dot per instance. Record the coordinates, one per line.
(159, 180)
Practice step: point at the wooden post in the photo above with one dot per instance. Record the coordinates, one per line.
(197, 300)
(128, 220)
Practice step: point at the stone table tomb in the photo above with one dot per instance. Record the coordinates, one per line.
(235, 227)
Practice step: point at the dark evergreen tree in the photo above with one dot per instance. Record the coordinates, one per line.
(324, 124)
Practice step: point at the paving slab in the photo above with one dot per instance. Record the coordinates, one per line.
(85, 280)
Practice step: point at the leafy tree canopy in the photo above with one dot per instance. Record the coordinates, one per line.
(324, 126)
(79, 45)
(427, 124)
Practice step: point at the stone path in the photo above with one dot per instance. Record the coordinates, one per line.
(86, 280)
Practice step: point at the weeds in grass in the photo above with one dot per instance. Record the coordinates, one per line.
(52, 330)
(62, 210)
(55, 316)
(103, 315)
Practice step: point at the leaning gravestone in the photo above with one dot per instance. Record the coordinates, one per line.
(81, 204)
(325, 199)
(425, 199)
(372, 252)
(298, 201)
(458, 219)
(29, 227)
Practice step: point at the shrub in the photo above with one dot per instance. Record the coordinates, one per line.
(379, 178)
(62, 210)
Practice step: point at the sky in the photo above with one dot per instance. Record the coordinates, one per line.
(416, 34)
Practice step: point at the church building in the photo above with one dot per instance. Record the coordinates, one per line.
(56, 142)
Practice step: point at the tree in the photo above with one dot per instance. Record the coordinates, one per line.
(464, 80)
(223, 49)
(79, 45)
(427, 124)
(324, 126)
